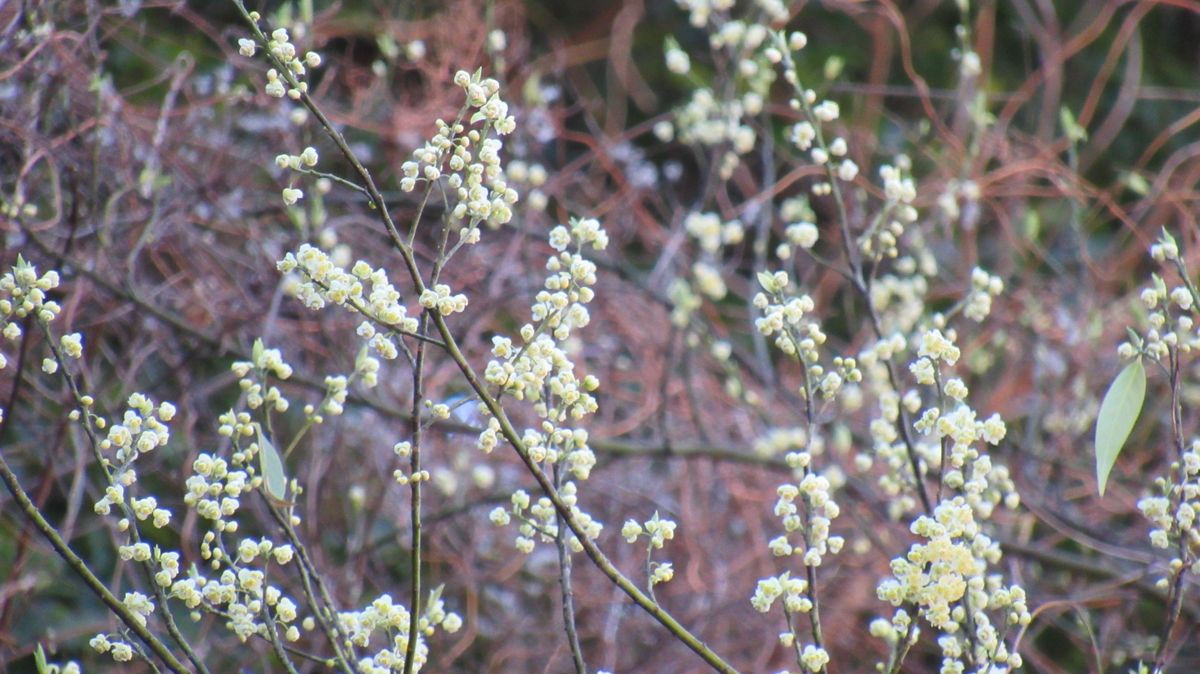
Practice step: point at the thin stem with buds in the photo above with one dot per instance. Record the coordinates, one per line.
(509, 432)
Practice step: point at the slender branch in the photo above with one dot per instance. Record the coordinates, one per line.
(1177, 588)
(315, 592)
(594, 553)
(131, 620)
(860, 281)
(276, 644)
(134, 530)
(510, 433)
(414, 611)
(787, 616)
(568, 596)
(900, 651)
(333, 177)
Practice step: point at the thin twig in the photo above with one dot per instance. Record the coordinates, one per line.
(564, 581)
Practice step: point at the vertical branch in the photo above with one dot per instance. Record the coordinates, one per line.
(810, 571)
(564, 580)
(276, 644)
(414, 611)
(418, 360)
(1177, 587)
(903, 646)
(316, 593)
(857, 276)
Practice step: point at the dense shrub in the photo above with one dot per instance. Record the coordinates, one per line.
(652, 337)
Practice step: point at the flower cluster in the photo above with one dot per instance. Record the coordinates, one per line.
(283, 52)
(242, 570)
(807, 135)
(215, 487)
(805, 507)
(793, 592)
(784, 318)
(780, 441)
(541, 371)
(438, 298)
(1174, 513)
(469, 158)
(807, 536)
(391, 621)
(657, 531)
(296, 162)
(141, 430)
(324, 282)
(1173, 507)
(881, 239)
(24, 293)
(539, 520)
(788, 319)
(953, 425)
(707, 119)
(813, 523)
(712, 235)
(946, 578)
(541, 365)
(534, 176)
(984, 287)
(1171, 310)
(241, 591)
(119, 650)
(264, 362)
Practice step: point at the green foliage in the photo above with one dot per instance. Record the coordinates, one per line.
(274, 479)
(1118, 413)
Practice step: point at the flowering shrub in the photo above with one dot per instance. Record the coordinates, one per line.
(788, 378)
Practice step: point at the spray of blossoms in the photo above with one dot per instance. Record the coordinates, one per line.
(117, 445)
(1172, 506)
(540, 371)
(806, 507)
(945, 577)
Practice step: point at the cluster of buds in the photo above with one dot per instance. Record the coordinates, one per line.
(468, 157)
(290, 83)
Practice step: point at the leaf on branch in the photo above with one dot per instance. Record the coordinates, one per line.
(767, 280)
(39, 660)
(1118, 413)
(274, 480)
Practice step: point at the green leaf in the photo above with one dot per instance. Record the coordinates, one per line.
(435, 595)
(39, 660)
(833, 67)
(1075, 132)
(1118, 413)
(1137, 183)
(767, 280)
(256, 352)
(274, 480)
